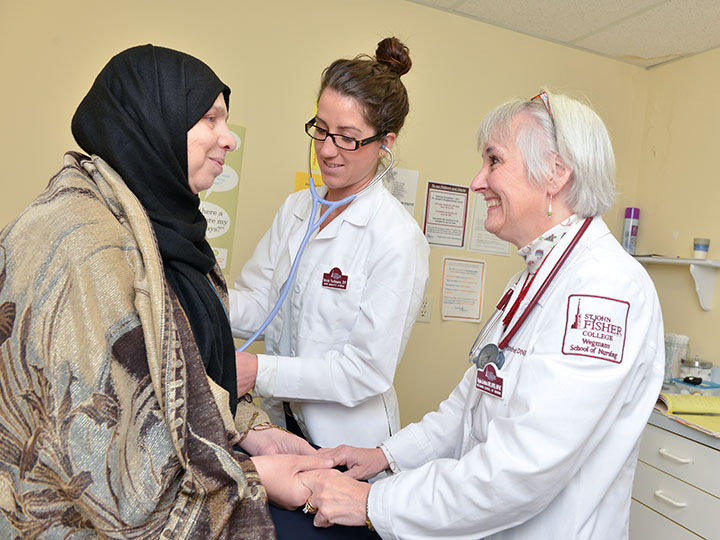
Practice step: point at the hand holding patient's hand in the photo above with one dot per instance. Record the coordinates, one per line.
(361, 463)
(339, 499)
(280, 476)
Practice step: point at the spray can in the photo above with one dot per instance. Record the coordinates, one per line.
(630, 229)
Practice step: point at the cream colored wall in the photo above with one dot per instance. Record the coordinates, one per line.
(271, 54)
(679, 192)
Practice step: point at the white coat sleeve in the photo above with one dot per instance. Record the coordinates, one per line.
(364, 365)
(436, 435)
(563, 407)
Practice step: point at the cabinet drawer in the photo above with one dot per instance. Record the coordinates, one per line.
(692, 462)
(681, 502)
(646, 524)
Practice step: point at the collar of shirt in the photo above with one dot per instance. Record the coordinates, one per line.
(356, 212)
(536, 251)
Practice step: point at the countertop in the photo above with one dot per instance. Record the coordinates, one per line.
(662, 421)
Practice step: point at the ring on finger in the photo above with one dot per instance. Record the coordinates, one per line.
(309, 508)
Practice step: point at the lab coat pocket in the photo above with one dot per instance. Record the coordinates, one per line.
(330, 305)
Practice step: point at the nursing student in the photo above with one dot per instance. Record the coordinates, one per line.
(333, 348)
(540, 438)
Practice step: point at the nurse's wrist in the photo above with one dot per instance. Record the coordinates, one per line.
(367, 513)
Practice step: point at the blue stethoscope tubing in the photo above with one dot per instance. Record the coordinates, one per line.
(312, 227)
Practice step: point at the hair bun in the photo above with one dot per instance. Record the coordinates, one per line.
(394, 53)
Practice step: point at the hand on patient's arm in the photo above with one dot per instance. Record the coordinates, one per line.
(280, 476)
(263, 441)
(246, 367)
(361, 463)
(340, 499)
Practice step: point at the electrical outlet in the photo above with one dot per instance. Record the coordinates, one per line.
(425, 309)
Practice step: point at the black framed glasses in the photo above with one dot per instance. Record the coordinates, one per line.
(341, 141)
(542, 96)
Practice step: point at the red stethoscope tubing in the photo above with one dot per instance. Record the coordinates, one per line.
(524, 315)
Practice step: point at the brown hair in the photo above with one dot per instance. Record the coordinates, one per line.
(374, 83)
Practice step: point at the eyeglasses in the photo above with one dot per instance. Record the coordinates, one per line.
(341, 141)
(546, 101)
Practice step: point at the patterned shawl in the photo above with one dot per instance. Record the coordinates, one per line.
(109, 424)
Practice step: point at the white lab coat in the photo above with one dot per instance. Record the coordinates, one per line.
(333, 352)
(555, 458)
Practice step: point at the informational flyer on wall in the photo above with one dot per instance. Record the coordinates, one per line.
(219, 203)
(463, 284)
(402, 183)
(480, 239)
(446, 209)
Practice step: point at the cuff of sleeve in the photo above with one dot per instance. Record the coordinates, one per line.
(248, 416)
(379, 505)
(266, 375)
(394, 468)
(409, 448)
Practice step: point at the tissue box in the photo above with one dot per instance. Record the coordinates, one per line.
(705, 388)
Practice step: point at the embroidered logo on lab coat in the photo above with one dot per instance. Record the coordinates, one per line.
(334, 279)
(595, 326)
(489, 381)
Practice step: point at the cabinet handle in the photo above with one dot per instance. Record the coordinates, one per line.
(667, 454)
(660, 495)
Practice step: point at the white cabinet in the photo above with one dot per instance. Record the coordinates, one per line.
(676, 492)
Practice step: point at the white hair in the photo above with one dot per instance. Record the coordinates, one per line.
(574, 132)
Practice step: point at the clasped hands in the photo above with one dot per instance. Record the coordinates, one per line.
(293, 473)
(341, 498)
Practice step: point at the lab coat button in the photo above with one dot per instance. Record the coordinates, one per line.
(292, 352)
(297, 288)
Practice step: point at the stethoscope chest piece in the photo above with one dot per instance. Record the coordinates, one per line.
(489, 353)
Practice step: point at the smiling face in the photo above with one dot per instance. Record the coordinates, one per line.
(207, 142)
(345, 172)
(516, 206)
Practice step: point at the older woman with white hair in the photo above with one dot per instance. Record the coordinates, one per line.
(540, 438)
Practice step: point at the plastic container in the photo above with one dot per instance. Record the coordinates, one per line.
(676, 346)
(630, 229)
(701, 246)
(695, 368)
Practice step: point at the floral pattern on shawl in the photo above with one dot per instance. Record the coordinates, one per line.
(98, 368)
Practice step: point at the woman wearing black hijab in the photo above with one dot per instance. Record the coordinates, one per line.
(117, 366)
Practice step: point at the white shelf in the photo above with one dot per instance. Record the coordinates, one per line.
(702, 271)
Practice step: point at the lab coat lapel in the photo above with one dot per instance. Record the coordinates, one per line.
(358, 213)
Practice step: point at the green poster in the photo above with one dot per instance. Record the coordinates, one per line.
(219, 203)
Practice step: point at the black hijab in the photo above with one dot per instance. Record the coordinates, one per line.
(136, 117)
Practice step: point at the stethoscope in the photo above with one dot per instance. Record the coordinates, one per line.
(483, 355)
(312, 227)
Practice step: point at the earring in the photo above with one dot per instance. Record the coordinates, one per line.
(549, 212)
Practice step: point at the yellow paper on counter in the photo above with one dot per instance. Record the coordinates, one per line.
(697, 411)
